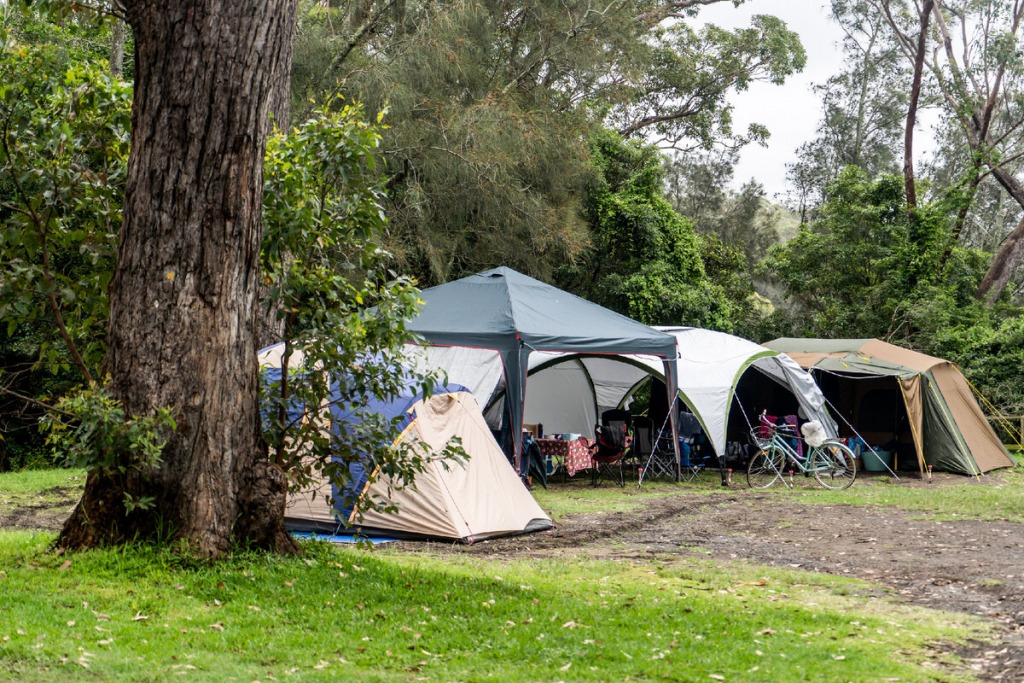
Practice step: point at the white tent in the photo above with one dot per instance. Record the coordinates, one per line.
(567, 392)
(711, 365)
(468, 500)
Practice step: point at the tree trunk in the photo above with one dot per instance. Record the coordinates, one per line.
(183, 298)
(1011, 252)
(915, 96)
(117, 30)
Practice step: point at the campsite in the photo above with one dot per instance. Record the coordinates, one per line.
(914, 581)
(378, 340)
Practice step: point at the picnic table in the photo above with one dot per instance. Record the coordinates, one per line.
(572, 455)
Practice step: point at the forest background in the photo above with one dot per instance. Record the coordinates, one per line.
(587, 144)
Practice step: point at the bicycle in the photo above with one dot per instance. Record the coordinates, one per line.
(832, 462)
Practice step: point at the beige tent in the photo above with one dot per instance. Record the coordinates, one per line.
(919, 404)
(465, 500)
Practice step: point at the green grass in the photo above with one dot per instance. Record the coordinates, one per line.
(581, 498)
(36, 487)
(403, 614)
(996, 496)
(577, 496)
(144, 614)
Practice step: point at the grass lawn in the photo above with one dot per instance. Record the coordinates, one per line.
(996, 496)
(348, 613)
(35, 487)
(144, 614)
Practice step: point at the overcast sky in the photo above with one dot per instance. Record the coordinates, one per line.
(791, 111)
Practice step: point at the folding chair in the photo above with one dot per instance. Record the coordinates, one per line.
(692, 460)
(609, 453)
(642, 446)
(617, 416)
(661, 460)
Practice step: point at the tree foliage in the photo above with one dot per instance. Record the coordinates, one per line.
(645, 260)
(699, 189)
(863, 107)
(342, 308)
(491, 104)
(866, 262)
(63, 144)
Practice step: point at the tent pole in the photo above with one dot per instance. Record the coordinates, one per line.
(672, 388)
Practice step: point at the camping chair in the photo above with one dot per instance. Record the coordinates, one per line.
(617, 415)
(609, 453)
(661, 461)
(692, 460)
(642, 446)
(643, 440)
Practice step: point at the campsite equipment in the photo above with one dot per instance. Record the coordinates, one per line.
(567, 391)
(831, 462)
(917, 405)
(466, 500)
(714, 369)
(609, 453)
(876, 460)
(492, 323)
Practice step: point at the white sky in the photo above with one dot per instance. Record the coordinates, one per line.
(792, 111)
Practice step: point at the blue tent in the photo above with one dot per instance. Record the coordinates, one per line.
(479, 498)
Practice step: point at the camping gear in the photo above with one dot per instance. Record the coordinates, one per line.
(609, 452)
(568, 391)
(897, 399)
(513, 316)
(876, 460)
(466, 500)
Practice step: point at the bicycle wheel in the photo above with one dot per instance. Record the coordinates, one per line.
(833, 465)
(765, 468)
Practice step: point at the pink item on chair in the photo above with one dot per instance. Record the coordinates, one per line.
(794, 422)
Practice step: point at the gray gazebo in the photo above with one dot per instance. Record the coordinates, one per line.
(515, 315)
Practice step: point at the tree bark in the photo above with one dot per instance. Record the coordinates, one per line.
(1011, 252)
(117, 31)
(183, 298)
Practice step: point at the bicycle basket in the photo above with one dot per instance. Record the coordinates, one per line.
(760, 437)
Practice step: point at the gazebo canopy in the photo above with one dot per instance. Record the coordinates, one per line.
(515, 315)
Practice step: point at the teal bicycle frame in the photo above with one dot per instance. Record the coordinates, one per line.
(832, 463)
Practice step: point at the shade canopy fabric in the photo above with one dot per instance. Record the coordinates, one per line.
(567, 392)
(710, 366)
(469, 500)
(868, 380)
(515, 315)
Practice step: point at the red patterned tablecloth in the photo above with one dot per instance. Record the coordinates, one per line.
(573, 455)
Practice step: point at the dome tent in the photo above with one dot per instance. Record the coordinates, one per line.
(713, 364)
(478, 498)
(568, 391)
(919, 403)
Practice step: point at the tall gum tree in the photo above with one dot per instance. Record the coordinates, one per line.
(976, 67)
(183, 300)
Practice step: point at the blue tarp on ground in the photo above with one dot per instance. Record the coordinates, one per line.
(341, 538)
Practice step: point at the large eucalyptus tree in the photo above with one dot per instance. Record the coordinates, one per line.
(183, 299)
(977, 70)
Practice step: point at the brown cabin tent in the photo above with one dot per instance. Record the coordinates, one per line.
(919, 405)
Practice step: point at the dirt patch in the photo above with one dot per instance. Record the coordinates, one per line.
(965, 566)
(48, 512)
